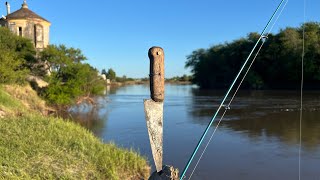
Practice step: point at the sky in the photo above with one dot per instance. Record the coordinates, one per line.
(118, 33)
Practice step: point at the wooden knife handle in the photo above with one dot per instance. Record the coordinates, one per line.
(156, 56)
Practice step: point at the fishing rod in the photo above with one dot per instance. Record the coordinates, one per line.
(229, 90)
(264, 39)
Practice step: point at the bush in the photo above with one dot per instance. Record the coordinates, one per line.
(11, 68)
(16, 50)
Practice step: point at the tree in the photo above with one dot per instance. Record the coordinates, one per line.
(104, 72)
(277, 66)
(58, 56)
(71, 79)
(184, 78)
(11, 70)
(111, 74)
(15, 54)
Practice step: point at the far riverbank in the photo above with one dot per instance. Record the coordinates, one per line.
(138, 82)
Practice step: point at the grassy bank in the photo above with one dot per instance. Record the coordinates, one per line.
(35, 146)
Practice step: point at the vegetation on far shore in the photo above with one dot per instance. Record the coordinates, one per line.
(277, 66)
(124, 80)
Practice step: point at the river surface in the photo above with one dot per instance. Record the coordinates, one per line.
(257, 139)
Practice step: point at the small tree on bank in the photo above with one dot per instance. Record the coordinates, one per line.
(111, 74)
(70, 79)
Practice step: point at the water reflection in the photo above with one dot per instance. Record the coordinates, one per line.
(268, 114)
(284, 126)
(93, 117)
(258, 139)
(89, 116)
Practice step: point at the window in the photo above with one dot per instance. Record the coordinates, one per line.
(20, 31)
(39, 31)
(35, 35)
(38, 36)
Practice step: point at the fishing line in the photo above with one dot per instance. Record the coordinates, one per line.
(228, 92)
(236, 91)
(301, 85)
(222, 116)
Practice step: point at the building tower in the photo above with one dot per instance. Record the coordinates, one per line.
(28, 24)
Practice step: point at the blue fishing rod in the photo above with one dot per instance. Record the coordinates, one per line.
(229, 90)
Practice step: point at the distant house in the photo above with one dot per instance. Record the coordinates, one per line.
(26, 23)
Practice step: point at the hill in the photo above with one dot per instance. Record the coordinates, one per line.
(34, 145)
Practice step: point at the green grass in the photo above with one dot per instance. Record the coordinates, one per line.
(7, 102)
(33, 146)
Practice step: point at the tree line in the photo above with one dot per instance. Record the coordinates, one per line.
(64, 68)
(278, 65)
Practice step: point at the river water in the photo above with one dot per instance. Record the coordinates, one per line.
(257, 139)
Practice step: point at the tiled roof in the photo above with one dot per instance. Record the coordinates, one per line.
(24, 13)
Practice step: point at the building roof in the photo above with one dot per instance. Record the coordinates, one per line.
(24, 13)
